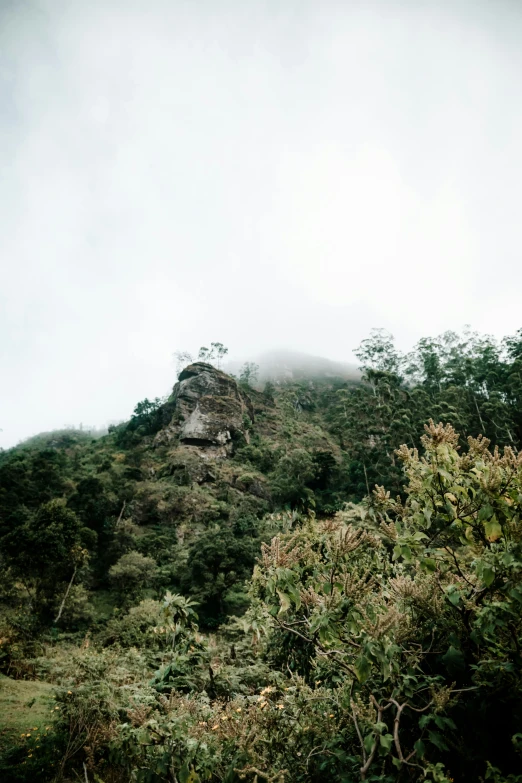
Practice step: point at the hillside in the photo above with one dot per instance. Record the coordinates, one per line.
(218, 568)
(214, 456)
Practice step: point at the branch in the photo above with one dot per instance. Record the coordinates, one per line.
(452, 553)
(359, 734)
(367, 765)
(121, 512)
(396, 724)
(65, 596)
(278, 777)
(317, 644)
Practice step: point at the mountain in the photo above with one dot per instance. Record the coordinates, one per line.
(181, 477)
(284, 365)
(209, 599)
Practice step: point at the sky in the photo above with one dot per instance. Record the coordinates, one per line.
(264, 173)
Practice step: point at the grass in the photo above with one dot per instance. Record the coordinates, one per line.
(25, 707)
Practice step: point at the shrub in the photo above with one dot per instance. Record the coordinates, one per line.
(132, 573)
(134, 628)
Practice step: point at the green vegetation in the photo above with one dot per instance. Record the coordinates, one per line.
(336, 597)
(25, 706)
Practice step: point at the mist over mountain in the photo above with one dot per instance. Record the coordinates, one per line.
(294, 555)
(280, 365)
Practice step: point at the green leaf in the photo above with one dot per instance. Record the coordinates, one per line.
(454, 661)
(423, 722)
(368, 742)
(516, 594)
(188, 776)
(386, 741)
(294, 594)
(436, 739)
(419, 748)
(327, 588)
(143, 736)
(362, 669)
(485, 513)
(286, 603)
(516, 739)
(488, 575)
(406, 553)
(493, 529)
(453, 597)
(444, 723)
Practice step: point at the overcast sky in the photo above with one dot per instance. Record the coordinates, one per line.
(277, 174)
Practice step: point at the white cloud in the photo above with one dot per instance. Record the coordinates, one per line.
(265, 174)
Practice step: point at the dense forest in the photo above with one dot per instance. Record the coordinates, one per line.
(315, 579)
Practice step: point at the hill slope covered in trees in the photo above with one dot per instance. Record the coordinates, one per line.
(217, 591)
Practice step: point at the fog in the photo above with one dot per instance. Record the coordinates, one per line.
(271, 175)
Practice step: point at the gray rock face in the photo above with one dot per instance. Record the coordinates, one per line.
(210, 407)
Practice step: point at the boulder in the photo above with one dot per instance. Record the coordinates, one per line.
(210, 408)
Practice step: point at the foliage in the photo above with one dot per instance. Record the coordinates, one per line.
(468, 380)
(248, 374)
(379, 637)
(47, 550)
(28, 750)
(183, 358)
(132, 573)
(217, 562)
(215, 353)
(413, 609)
(147, 416)
(135, 627)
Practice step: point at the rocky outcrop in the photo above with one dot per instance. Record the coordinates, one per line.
(209, 408)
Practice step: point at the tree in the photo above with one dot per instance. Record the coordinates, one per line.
(413, 612)
(92, 505)
(215, 353)
(218, 561)
(132, 573)
(183, 358)
(178, 613)
(371, 421)
(147, 417)
(205, 354)
(269, 391)
(145, 408)
(293, 476)
(47, 550)
(220, 352)
(248, 374)
(378, 352)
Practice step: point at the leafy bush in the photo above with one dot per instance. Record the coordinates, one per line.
(132, 573)
(135, 627)
(414, 610)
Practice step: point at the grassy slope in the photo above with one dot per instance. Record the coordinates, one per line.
(25, 708)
